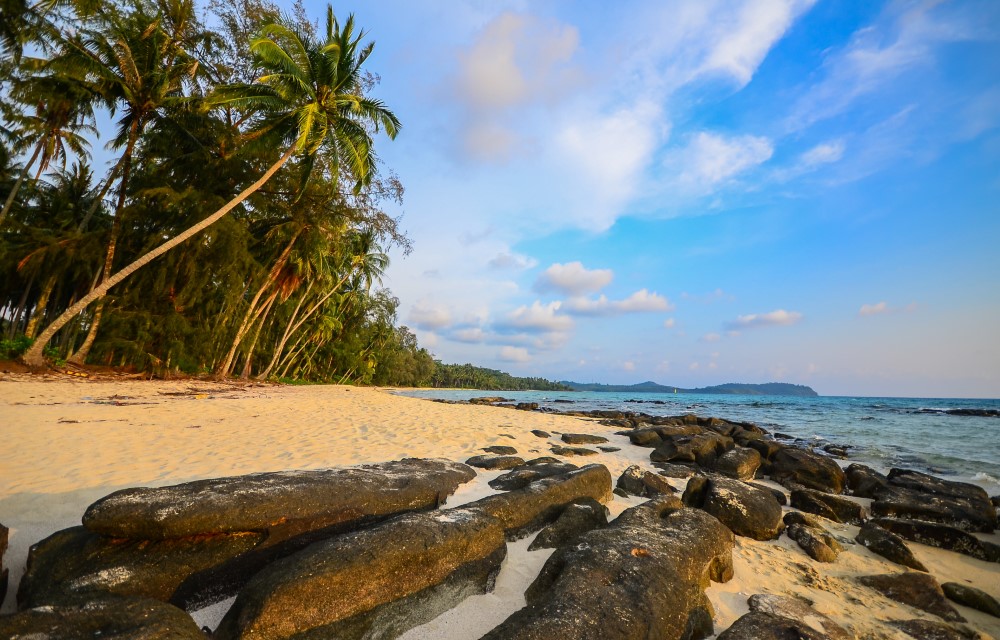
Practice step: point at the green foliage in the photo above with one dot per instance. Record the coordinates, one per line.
(11, 348)
(467, 376)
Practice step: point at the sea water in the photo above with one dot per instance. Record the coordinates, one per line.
(912, 433)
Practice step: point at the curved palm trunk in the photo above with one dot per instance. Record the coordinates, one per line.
(40, 306)
(34, 356)
(17, 185)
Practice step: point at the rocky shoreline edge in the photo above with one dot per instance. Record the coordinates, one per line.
(371, 551)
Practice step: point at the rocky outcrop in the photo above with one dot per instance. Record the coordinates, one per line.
(702, 448)
(740, 463)
(522, 476)
(576, 519)
(745, 509)
(637, 481)
(966, 513)
(808, 469)
(582, 438)
(919, 590)
(573, 451)
(972, 597)
(796, 609)
(943, 537)
(642, 577)
(865, 482)
(373, 583)
(258, 519)
(501, 450)
(105, 617)
(888, 545)
(781, 618)
(928, 630)
(493, 463)
(829, 506)
(818, 544)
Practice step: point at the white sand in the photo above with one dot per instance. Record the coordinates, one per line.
(70, 442)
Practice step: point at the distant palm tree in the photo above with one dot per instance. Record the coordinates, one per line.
(310, 98)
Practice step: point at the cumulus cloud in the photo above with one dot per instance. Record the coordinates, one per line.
(429, 316)
(639, 302)
(473, 335)
(778, 317)
(538, 318)
(711, 158)
(573, 279)
(514, 261)
(514, 354)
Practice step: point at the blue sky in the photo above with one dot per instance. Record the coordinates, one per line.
(699, 192)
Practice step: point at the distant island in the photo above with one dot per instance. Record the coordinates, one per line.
(468, 376)
(730, 388)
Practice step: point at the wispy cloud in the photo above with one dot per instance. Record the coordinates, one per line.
(712, 158)
(641, 301)
(573, 279)
(778, 317)
(518, 262)
(883, 307)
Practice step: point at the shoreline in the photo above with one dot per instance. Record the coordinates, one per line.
(115, 434)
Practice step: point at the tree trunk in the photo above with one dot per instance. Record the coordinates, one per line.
(80, 355)
(43, 302)
(15, 318)
(34, 356)
(17, 185)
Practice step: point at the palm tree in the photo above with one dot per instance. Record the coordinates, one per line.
(310, 98)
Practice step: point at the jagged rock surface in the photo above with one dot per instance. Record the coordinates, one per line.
(888, 545)
(919, 590)
(105, 617)
(745, 509)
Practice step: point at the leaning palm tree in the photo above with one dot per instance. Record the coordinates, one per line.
(309, 98)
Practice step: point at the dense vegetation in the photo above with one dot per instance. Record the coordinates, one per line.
(729, 388)
(467, 376)
(240, 228)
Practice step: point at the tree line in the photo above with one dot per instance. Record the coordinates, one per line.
(240, 228)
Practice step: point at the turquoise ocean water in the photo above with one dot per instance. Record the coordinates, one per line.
(913, 433)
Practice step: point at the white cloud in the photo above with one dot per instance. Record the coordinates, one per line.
(573, 279)
(711, 159)
(506, 260)
(473, 335)
(873, 309)
(641, 301)
(429, 316)
(824, 153)
(711, 337)
(778, 317)
(538, 318)
(514, 354)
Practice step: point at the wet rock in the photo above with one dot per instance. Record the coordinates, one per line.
(373, 583)
(489, 400)
(582, 438)
(745, 509)
(527, 406)
(501, 450)
(829, 506)
(865, 482)
(493, 463)
(818, 545)
(888, 545)
(520, 477)
(995, 500)
(758, 625)
(106, 617)
(972, 597)
(766, 448)
(943, 537)
(836, 450)
(670, 470)
(573, 451)
(609, 449)
(637, 481)
(576, 519)
(797, 609)
(255, 502)
(740, 463)
(919, 590)
(928, 630)
(540, 433)
(641, 577)
(809, 469)
(703, 448)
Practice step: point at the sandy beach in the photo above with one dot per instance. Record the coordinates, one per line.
(72, 441)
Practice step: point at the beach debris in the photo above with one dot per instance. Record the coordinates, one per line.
(637, 481)
(573, 451)
(745, 509)
(522, 476)
(919, 590)
(972, 597)
(829, 506)
(888, 545)
(811, 470)
(818, 545)
(541, 434)
(582, 438)
(657, 592)
(501, 450)
(377, 582)
(576, 519)
(740, 463)
(492, 463)
(107, 616)
(942, 536)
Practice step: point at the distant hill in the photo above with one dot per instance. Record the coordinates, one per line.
(730, 388)
(467, 376)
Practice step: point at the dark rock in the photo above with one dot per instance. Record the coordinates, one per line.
(255, 502)
(995, 500)
(200, 568)
(529, 509)
(740, 463)
(804, 519)
(778, 494)
(641, 577)
(745, 509)
(639, 482)
(918, 590)
(520, 477)
(928, 630)
(645, 437)
(493, 463)
(106, 617)
(703, 448)
(4, 532)
(488, 400)
(924, 483)
(582, 438)
(972, 597)
(373, 583)
(573, 451)
(839, 509)
(809, 469)
(501, 450)
(609, 449)
(865, 482)
(527, 406)
(943, 537)
(540, 433)
(670, 470)
(918, 496)
(888, 545)
(758, 625)
(766, 448)
(576, 519)
(816, 544)
(836, 450)
(797, 609)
